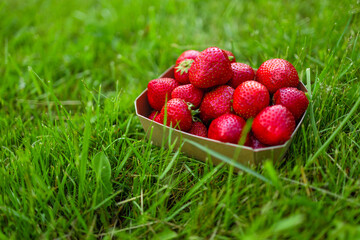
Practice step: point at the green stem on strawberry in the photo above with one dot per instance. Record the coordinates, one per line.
(184, 66)
(196, 119)
(193, 115)
(193, 111)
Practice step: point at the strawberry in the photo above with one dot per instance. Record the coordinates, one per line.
(273, 125)
(216, 103)
(183, 64)
(241, 73)
(178, 114)
(181, 71)
(189, 93)
(254, 142)
(159, 118)
(211, 68)
(198, 129)
(189, 54)
(159, 90)
(276, 74)
(230, 55)
(227, 128)
(153, 114)
(293, 99)
(250, 98)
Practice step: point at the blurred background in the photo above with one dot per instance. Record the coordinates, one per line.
(131, 42)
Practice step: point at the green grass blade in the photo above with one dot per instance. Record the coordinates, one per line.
(335, 133)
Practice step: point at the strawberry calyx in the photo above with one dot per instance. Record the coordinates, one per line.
(196, 119)
(184, 66)
(231, 58)
(193, 115)
(190, 106)
(193, 111)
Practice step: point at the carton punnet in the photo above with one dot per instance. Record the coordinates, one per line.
(190, 143)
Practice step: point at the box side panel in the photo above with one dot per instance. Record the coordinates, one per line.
(244, 156)
(169, 73)
(272, 154)
(162, 136)
(302, 87)
(142, 105)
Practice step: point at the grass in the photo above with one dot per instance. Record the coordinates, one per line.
(74, 160)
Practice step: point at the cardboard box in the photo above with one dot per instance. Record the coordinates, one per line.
(160, 136)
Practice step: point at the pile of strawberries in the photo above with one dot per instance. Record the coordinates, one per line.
(213, 96)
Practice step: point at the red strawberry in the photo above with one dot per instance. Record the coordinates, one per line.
(254, 142)
(227, 128)
(178, 114)
(153, 114)
(189, 93)
(159, 90)
(183, 64)
(211, 68)
(293, 99)
(274, 125)
(241, 73)
(198, 129)
(250, 98)
(230, 55)
(276, 74)
(189, 54)
(216, 103)
(181, 71)
(159, 118)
